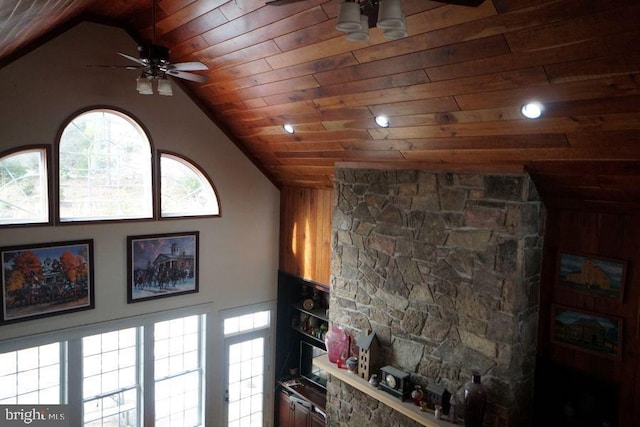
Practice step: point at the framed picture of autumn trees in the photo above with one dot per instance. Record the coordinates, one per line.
(46, 280)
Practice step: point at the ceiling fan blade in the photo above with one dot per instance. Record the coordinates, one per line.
(188, 76)
(126, 67)
(188, 66)
(132, 58)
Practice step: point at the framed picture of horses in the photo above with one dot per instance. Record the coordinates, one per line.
(162, 265)
(46, 279)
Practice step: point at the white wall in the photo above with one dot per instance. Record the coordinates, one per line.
(238, 251)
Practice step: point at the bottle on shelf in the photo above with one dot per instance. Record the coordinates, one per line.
(475, 400)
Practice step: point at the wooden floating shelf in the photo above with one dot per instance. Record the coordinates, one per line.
(406, 408)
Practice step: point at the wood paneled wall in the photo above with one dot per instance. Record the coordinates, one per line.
(608, 235)
(305, 232)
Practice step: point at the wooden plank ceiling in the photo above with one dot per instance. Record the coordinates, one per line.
(452, 89)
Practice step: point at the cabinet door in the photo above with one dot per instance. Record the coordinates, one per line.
(317, 420)
(301, 413)
(285, 410)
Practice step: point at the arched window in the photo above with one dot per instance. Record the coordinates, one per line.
(104, 173)
(104, 168)
(185, 189)
(24, 195)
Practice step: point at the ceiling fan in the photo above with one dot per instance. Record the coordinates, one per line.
(154, 64)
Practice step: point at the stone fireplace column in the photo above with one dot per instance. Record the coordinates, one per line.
(445, 269)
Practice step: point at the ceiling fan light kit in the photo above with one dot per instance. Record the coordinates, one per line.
(349, 17)
(355, 18)
(143, 86)
(164, 87)
(399, 32)
(362, 34)
(390, 16)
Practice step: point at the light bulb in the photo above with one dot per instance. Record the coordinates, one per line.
(532, 110)
(382, 121)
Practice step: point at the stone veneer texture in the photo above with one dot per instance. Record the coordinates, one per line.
(445, 269)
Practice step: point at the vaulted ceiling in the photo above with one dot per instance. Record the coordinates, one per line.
(452, 89)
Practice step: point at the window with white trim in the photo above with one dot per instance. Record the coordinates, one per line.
(110, 378)
(32, 375)
(247, 360)
(104, 168)
(115, 385)
(179, 371)
(185, 189)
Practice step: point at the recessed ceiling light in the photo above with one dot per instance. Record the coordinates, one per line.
(382, 121)
(532, 110)
(288, 128)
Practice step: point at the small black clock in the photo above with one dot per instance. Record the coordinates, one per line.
(395, 382)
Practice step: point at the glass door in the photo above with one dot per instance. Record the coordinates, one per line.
(246, 359)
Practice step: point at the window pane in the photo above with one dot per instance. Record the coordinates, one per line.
(178, 372)
(23, 188)
(185, 191)
(248, 322)
(118, 409)
(31, 376)
(246, 362)
(178, 399)
(110, 370)
(104, 168)
(110, 385)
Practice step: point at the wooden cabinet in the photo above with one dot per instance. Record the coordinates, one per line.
(308, 304)
(302, 316)
(294, 411)
(301, 325)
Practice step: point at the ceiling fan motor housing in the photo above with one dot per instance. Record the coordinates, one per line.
(153, 52)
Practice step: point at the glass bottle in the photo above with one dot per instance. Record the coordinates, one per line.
(475, 400)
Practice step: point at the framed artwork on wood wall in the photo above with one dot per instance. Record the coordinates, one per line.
(596, 276)
(595, 333)
(162, 265)
(46, 279)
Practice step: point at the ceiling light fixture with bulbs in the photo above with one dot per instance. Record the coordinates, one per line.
(144, 85)
(356, 17)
